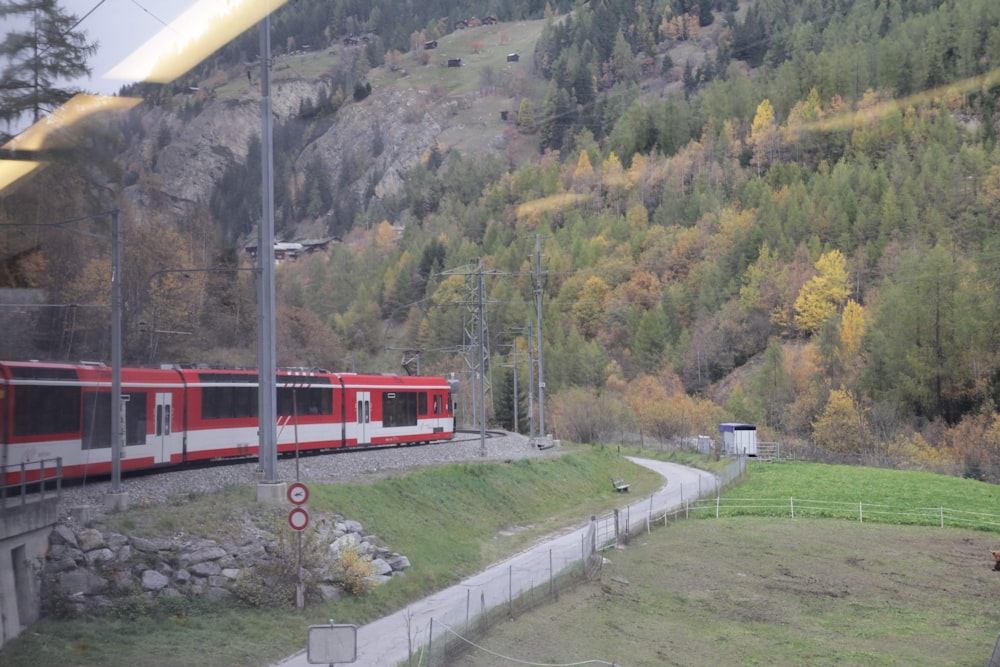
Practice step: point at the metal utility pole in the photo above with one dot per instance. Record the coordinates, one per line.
(482, 369)
(267, 373)
(117, 406)
(541, 366)
(531, 389)
(517, 426)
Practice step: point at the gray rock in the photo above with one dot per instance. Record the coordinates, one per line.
(154, 581)
(398, 562)
(202, 555)
(329, 592)
(151, 545)
(63, 535)
(350, 540)
(123, 580)
(90, 539)
(80, 582)
(55, 566)
(380, 567)
(115, 541)
(97, 556)
(207, 569)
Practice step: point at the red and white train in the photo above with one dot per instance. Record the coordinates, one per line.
(175, 415)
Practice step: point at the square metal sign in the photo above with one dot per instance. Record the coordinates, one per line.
(329, 644)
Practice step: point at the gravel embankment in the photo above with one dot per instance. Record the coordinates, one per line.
(355, 465)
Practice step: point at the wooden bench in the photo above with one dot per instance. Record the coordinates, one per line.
(620, 485)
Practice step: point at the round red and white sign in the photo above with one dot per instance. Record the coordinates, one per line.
(298, 518)
(298, 493)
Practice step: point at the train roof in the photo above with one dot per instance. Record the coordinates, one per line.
(95, 371)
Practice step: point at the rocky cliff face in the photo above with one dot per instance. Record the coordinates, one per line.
(379, 139)
(374, 141)
(187, 167)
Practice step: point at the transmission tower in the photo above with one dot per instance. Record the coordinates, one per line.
(475, 351)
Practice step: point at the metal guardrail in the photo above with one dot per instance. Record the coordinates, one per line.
(28, 482)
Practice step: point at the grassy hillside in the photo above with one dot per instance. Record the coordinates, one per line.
(791, 588)
(448, 521)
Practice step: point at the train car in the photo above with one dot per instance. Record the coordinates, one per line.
(50, 411)
(315, 410)
(176, 415)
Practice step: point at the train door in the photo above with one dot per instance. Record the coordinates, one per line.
(164, 413)
(364, 416)
(3, 427)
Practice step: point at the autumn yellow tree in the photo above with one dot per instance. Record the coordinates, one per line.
(589, 307)
(583, 175)
(852, 328)
(822, 294)
(841, 426)
(613, 181)
(763, 136)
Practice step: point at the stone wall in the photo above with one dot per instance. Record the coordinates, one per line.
(86, 570)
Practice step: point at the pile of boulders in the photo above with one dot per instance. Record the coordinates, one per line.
(88, 569)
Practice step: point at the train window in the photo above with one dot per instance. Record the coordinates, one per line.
(162, 420)
(43, 373)
(437, 405)
(228, 402)
(97, 419)
(304, 401)
(46, 410)
(399, 409)
(422, 403)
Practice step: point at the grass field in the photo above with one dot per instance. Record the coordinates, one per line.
(742, 590)
(762, 590)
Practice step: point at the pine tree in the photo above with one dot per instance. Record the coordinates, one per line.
(48, 51)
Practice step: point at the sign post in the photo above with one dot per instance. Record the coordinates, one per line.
(298, 519)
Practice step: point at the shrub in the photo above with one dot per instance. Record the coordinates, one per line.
(354, 572)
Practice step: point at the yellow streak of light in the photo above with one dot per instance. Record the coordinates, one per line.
(847, 118)
(190, 38)
(47, 134)
(14, 170)
(557, 202)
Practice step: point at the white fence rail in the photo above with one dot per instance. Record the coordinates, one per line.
(862, 511)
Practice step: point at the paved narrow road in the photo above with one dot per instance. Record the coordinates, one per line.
(387, 641)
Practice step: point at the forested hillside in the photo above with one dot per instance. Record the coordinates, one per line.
(783, 212)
